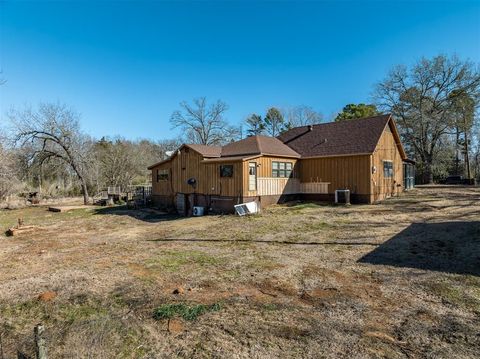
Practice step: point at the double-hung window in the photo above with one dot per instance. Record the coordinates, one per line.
(387, 169)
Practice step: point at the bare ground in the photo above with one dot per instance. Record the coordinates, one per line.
(396, 280)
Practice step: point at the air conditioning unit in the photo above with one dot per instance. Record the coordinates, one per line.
(243, 209)
(342, 196)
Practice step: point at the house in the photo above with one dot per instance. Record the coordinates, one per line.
(365, 156)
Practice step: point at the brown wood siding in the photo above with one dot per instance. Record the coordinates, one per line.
(163, 188)
(264, 169)
(188, 164)
(213, 184)
(352, 172)
(386, 149)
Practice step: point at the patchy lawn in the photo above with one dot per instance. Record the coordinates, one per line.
(399, 279)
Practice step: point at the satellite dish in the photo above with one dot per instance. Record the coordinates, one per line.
(192, 182)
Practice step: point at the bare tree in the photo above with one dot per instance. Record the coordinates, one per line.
(162, 148)
(117, 161)
(302, 116)
(422, 99)
(8, 177)
(6, 166)
(122, 162)
(475, 150)
(464, 109)
(53, 132)
(202, 123)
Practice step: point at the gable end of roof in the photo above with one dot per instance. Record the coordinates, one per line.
(337, 138)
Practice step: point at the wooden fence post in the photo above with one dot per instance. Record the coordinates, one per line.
(1, 347)
(40, 343)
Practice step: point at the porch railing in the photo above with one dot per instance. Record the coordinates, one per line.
(277, 186)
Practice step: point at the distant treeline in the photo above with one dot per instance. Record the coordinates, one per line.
(434, 102)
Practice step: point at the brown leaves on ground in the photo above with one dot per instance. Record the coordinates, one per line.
(392, 280)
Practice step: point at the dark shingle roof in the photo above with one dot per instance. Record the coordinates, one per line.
(240, 150)
(206, 151)
(337, 138)
(254, 145)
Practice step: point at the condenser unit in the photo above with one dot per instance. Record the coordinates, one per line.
(342, 196)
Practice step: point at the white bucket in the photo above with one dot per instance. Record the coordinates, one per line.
(198, 211)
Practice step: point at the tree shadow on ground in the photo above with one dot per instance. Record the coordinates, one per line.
(435, 202)
(142, 214)
(269, 241)
(451, 247)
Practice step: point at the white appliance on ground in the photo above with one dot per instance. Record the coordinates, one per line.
(243, 209)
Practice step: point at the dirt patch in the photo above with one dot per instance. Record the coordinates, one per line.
(175, 326)
(395, 280)
(320, 295)
(47, 296)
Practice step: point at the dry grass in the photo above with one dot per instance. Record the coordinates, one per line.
(399, 279)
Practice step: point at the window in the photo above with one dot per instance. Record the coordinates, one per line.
(282, 169)
(226, 170)
(387, 169)
(162, 175)
(252, 176)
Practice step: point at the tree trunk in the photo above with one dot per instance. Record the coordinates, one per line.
(457, 150)
(84, 191)
(428, 173)
(82, 182)
(467, 160)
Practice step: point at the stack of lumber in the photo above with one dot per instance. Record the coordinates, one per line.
(20, 228)
(68, 208)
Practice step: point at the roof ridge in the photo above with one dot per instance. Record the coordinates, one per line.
(388, 115)
(200, 144)
(259, 146)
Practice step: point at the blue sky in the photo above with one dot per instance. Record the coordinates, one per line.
(125, 66)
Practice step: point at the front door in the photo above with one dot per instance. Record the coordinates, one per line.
(252, 176)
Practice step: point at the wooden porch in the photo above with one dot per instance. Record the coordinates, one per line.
(267, 186)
